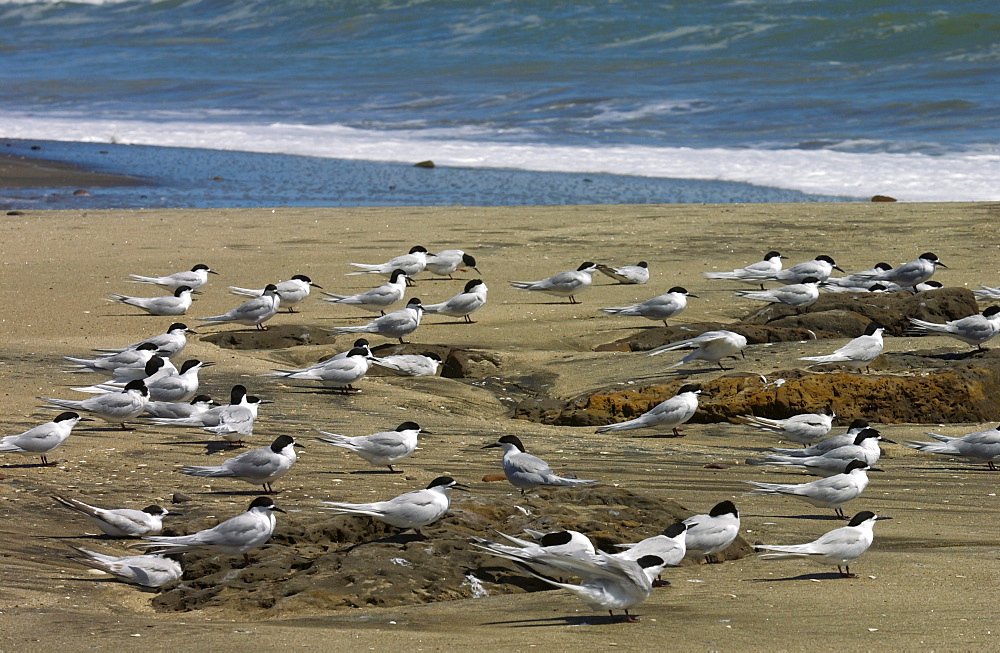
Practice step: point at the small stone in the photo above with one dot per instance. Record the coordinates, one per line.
(180, 497)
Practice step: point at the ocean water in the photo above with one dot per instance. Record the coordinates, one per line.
(313, 102)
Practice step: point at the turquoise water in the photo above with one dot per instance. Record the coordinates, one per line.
(844, 99)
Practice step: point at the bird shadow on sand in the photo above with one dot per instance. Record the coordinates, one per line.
(211, 446)
(565, 620)
(825, 517)
(812, 576)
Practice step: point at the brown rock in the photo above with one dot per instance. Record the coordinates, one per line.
(965, 392)
(883, 198)
(848, 313)
(337, 562)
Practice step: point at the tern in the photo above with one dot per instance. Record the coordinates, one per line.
(627, 274)
(42, 439)
(412, 264)
(447, 261)
(380, 449)
(525, 471)
(804, 428)
(261, 466)
(714, 532)
(820, 268)
(253, 312)
(564, 284)
(865, 447)
(770, 264)
(607, 582)
(152, 571)
(180, 410)
(980, 446)
(711, 346)
(841, 546)
(414, 509)
(291, 292)
(668, 414)
(661, 307)
(796, 295)
(391, 325)
(176, 304)
(830, 492)
(828, 444)
(911, 274)
(120, 522)
(471, 299)
(194, 278)
(339, 373)
(237, 535)
(166, 344)
(974, 330)
(114, 407)
(377, 299)
(857, 353)
(410, 364)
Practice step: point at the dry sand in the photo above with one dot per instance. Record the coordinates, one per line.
(928, 582)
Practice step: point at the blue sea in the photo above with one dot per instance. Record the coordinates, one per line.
(310, 102)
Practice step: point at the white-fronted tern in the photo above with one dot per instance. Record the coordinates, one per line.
(858, 353)
(974, 330)
(42, 439)
(661, 307)
(865, 447)
(980, 446)
(607, 582)
(114, 407)
(391, 325)
(804, 428)
(565, 284)
(411, 263)
(830, 492)
(909, 275)
(253, 312)
(447, 261)
(841, 546)
(709, 534)
(464, 303)
(152, 571)
(627, 274)
(770, 264)
(668, 414)
(120, 522)
(828, 444)
(380, 449)
(237, 535)
(292, 291)
(414, 509)
(819, 268)
(176, 304)
(261, 466)
(377, 299)
(180, 410)
(410, 364)
(167, 344)
(797, 295)
(339, 373)
(194, 278)
(711, 346)
(525, 471)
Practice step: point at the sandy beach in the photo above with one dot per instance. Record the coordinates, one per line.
(927, 582)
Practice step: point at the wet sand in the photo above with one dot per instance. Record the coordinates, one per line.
(928, 581)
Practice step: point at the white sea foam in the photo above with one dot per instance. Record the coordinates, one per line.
(966, 176)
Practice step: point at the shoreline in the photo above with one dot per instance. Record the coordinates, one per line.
(18, 172)
(916, 583)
